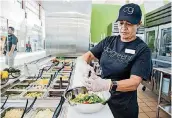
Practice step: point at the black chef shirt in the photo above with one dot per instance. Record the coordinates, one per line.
(118, 60)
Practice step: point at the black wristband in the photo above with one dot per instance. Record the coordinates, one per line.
(114, 86)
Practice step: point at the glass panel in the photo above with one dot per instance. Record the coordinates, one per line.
(151, 40)
(33, 7)
(34, 40)
(166, 44)
(3, 34)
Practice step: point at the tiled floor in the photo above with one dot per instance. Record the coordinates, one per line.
(147, 101)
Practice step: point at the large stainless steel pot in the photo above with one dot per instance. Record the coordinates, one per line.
(86, 108)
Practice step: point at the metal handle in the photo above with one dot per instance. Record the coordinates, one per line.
(30, 107)
(62, 100)
(50, 81)
(40, 73)
(60, 83)
(58, 108)
(2, 107)
(24, 109)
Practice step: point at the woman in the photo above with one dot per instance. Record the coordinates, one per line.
(125, 61)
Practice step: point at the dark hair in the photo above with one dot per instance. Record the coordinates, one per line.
(12, 28)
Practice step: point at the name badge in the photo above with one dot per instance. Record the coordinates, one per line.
(130, 51)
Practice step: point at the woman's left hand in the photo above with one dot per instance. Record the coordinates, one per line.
(96, 83)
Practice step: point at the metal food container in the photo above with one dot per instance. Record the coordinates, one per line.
(58, 86)
(63, 81)
(38, 87)
(24, 95)
(54, 93)
(60, 83)
(10, 108)
(31, 78)
(64, 77)
(46, 75)
(35, 111)
(26, 82)
(41, 82)
(12, 94)
(86, 108)
(53, 71)
(20, 87)
(64, 73)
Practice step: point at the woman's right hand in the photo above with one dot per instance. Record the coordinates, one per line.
(97, 84)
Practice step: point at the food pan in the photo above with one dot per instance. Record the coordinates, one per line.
(12, 113)
(19, 87)
(33, 94)
(42, 112)
(12, 94)
(54, 93)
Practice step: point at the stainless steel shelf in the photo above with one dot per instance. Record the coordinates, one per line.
(166, 108)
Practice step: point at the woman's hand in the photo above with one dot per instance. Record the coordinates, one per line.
(82, 67)
(96, 83)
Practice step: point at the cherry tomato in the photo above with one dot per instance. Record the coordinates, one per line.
(86, 102)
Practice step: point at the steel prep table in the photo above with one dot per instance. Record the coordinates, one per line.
(165, 107)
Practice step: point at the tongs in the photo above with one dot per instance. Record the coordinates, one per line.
(30, 107)
(62, 100)
(26, 110)
(2, 107)
(40, 73)
(51, 78)
(59, 107)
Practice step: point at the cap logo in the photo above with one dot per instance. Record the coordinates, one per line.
(129, 10)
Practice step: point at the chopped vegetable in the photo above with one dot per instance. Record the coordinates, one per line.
(87, 99)
(12, 95)
(14, 113)
(34, 94)
(38, 87)
(47, 113)
(28, 81)
(20, 87)
(42, 81)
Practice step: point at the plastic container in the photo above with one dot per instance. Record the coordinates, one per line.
(165, 85)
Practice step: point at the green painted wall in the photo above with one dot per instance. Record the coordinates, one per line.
(102, 15)
(143, 12)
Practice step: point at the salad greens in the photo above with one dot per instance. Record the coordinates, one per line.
(87, 99)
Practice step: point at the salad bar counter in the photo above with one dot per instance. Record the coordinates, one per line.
(38, 97)
(51, 95)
